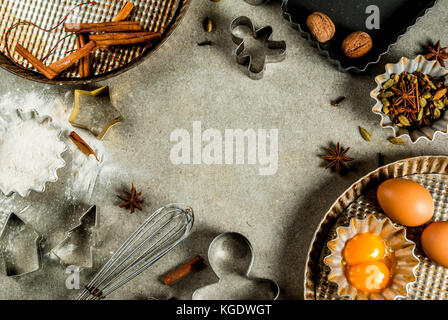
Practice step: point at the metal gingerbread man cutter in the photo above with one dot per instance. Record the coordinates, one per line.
(256, 67)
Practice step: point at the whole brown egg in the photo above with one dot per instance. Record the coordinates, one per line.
(405, 201)
(435, 242)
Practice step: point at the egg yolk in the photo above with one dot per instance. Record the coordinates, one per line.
(369, 276)
(364, 247)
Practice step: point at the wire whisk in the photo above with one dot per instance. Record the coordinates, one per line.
(160, 233)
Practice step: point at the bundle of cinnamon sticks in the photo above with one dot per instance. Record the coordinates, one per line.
(89, 38)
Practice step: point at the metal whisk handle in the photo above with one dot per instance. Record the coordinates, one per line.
(166, 228)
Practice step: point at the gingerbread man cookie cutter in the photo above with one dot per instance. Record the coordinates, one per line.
(256, 69)
(231, 257)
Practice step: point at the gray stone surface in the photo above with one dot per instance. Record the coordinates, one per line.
(182, 83)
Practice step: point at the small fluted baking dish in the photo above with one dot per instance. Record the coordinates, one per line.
(402, 250)
(54, 154)
(431, 68)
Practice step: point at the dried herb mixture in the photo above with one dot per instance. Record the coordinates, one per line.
(414, 100)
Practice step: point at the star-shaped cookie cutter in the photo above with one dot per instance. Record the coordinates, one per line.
(94, 111)
(256, 71)
(231, 257)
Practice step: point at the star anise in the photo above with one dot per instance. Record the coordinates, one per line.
(437, 53)
(405, 101)
(131, 200)
(337, 158)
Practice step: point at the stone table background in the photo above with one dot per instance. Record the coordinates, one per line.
(182, 83)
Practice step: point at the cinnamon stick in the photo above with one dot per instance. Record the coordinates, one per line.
(117, 36)
(84, 64)
(71, 59)
(124, 12)
(128, 40)
(116, 26)
(39, 65)
(82, 145)
(194, 264)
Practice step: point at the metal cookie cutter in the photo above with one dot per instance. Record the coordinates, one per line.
(94, 111)
(76, 248)
(19, 247)
(231, 257)
(256, 66)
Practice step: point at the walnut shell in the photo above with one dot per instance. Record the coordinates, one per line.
(320, 26)
(357, 44)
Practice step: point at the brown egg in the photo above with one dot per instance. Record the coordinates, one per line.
(435, 242)
(405, 202)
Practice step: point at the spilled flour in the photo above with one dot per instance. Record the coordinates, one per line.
(80, 172)
(30, 153)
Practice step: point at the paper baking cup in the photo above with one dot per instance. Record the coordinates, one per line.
(402, 249)
(58, 162)
(432, 68)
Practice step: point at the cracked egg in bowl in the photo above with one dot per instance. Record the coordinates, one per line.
(371, 259)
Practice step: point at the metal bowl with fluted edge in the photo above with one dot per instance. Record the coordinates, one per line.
(402, 261)
(432, 68)
(53, 159)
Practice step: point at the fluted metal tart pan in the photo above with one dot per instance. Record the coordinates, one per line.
(358, 201)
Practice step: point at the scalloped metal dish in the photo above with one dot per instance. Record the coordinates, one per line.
(33, 115)
(432, 68)
(47, 14)
(328, 50)
(360, 200)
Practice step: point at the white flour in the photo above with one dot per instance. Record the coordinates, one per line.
(81, 171)
(29, 151)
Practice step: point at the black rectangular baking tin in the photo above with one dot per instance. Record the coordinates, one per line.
(396, 17)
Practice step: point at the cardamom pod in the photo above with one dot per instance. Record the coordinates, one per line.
(396, 78)
(396, 140)
(389, 83)
(439, 104)
(440, 93)
(420, 114)
(386, 110)
(427, 111)
(386, 94)
(427, 95)
(437, 114)
(445, 102)
(208, 24)
(403, 120)
(385, 102)
(423, 102)
(364, 133)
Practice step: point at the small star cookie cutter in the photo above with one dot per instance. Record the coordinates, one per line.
(231, 257)
(94, 111)
(256, 68)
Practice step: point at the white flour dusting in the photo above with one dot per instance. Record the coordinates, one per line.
(29, 151)
(81, 171)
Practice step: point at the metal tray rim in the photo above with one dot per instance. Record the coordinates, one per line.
(336, 62)
(425, 164)
(35, 76)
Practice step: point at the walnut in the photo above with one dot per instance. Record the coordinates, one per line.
(320, 26)
(357, 44)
